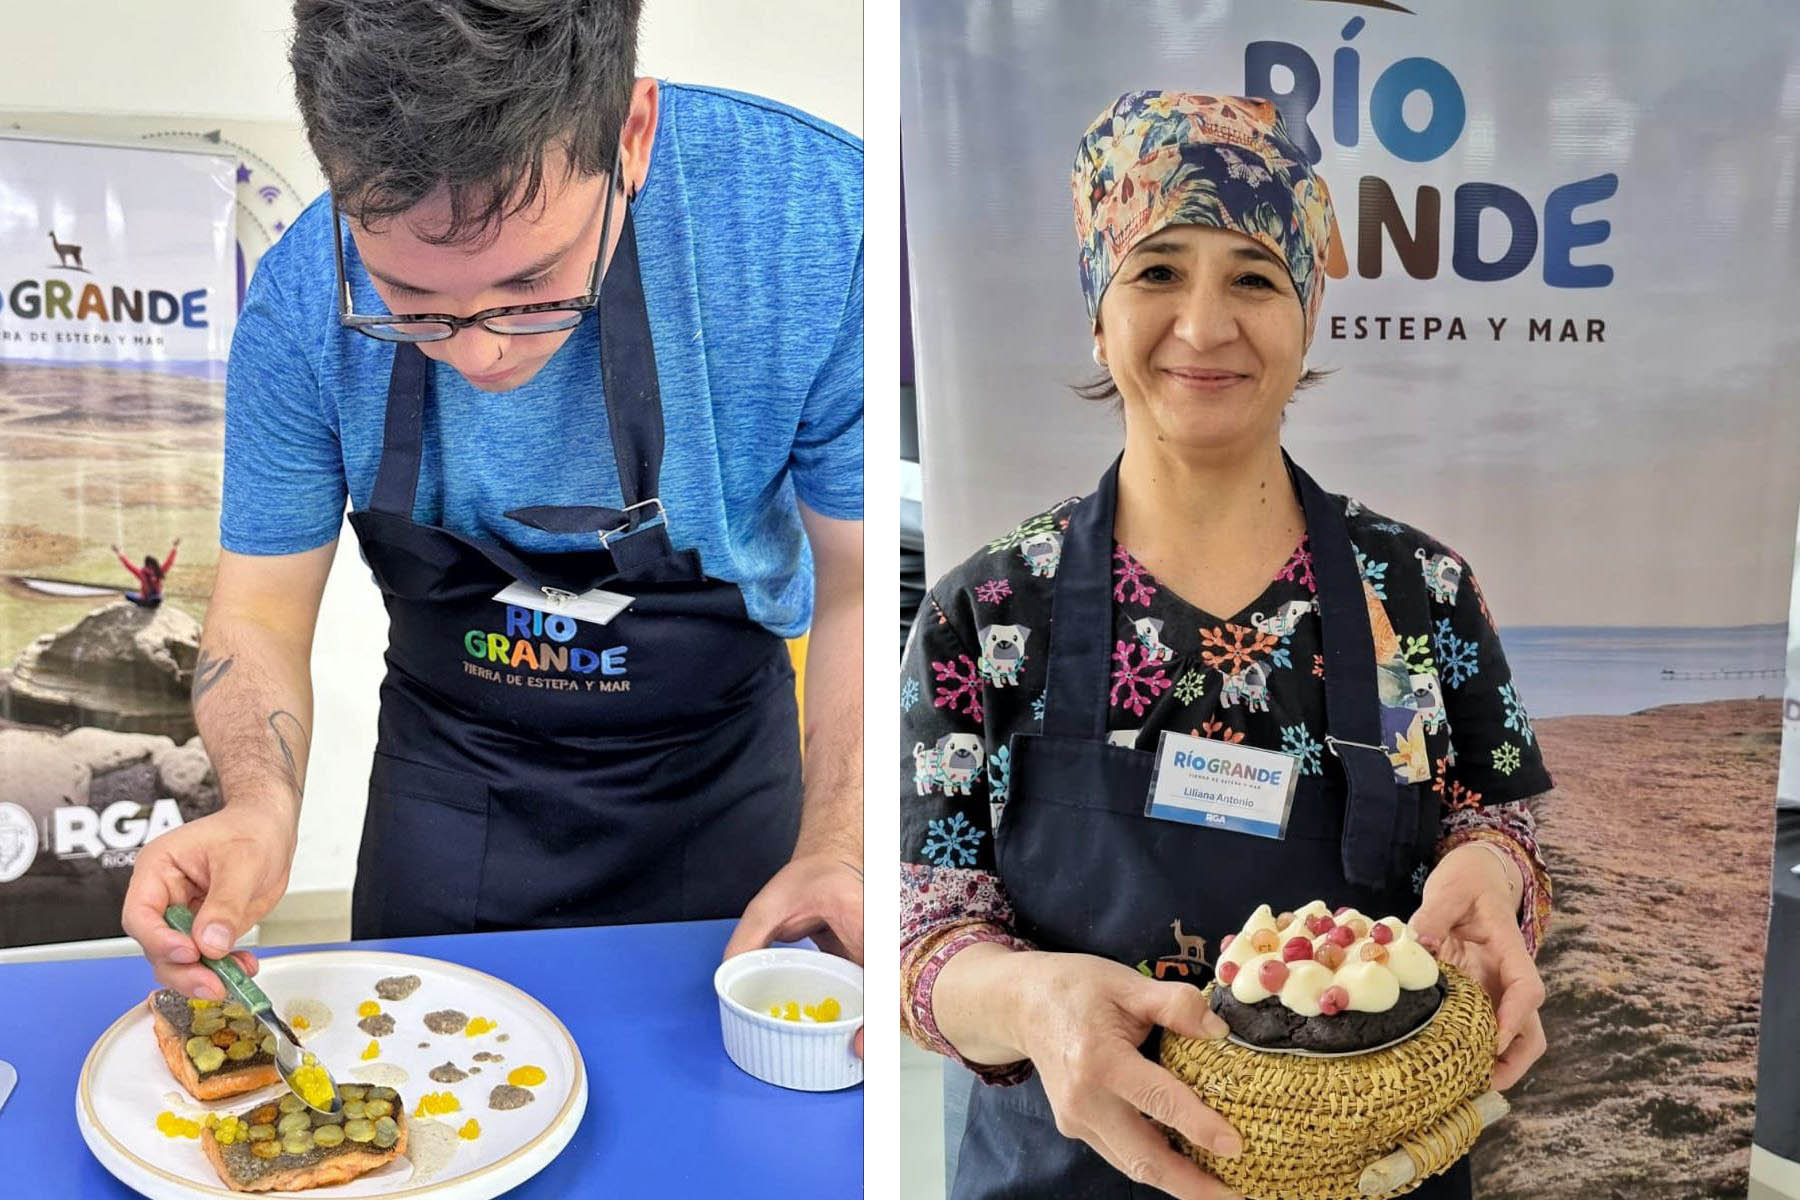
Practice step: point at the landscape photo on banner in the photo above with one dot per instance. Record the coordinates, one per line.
(1559, 330)
(118, 296)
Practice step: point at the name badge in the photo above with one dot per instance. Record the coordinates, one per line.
(595, 605)
(1222, 786)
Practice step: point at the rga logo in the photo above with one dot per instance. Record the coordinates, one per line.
(18, 841)
(113, 835)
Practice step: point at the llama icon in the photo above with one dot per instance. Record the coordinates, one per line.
(66, 251)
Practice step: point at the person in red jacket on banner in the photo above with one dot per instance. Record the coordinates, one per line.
(150, 576)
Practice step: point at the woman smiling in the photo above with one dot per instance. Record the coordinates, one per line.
(1208, 589)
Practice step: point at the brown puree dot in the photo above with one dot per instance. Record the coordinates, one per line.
(446, 1020)
(448, 1073)
(506, 1096)
(424, 1045)
(379, 1025)
(396, 987)
(505, 1037)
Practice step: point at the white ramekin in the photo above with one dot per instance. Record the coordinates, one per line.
(805, 1056)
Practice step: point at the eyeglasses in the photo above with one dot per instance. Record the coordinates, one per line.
(548, 316)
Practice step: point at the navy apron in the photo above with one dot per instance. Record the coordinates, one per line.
(1088, 872)
(536, 770)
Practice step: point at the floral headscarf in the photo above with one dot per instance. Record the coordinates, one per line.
(1155, 159)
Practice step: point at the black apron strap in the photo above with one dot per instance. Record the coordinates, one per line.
(1077, 684)
(397, 478)
(1352, 699)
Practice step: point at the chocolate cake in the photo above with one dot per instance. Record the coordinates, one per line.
(1334, 982)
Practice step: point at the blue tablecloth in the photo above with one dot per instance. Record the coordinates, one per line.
(668, 1115)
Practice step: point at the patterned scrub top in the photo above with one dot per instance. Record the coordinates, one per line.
(974, 673)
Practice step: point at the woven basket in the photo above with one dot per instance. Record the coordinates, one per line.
(1311, 1125)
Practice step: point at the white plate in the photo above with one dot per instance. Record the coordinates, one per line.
(125, 1083)
(1297, 1052)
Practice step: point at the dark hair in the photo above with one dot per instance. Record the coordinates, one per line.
(1103, 388)
(402, 97)
(152, 567)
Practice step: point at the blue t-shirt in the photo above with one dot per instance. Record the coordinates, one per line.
(750, 235)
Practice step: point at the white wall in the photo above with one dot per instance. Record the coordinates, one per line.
(224, 62)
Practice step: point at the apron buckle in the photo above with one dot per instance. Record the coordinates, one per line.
(1333, 743)
(606, 535)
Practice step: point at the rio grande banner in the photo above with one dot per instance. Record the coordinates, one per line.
(118, 294)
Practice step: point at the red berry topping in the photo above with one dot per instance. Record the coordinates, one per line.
(1319, 925)
(1264, 941)
(1284, 920)
(1225, 943)
(1227, 972)
(1382, 933)
(1359, 925)
(1341, 910)
(1333, 1000)
(1331, 954)
(1374, 952)
(1295, 949)
(1272, 975)
(1342, 935)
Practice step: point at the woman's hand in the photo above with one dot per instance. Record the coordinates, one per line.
(1469, 918)
(1080, 1020)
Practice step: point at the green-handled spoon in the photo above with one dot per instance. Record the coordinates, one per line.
(240, 987)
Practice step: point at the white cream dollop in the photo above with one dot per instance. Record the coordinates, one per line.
(1247, 986)
(1412, 964)
(1306, 981)
(1370, 986)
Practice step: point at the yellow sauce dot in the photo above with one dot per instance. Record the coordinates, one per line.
(367, 1008)
(372, 1050)
(526, 1076)
(198, 1002)
(470, 1131)
(170, 1125)
(793, 1011)
(436, 1104)
(828, 1009)
(299, 1022)
(478, 1026)
(312, 1084)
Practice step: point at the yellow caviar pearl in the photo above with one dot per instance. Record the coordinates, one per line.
(170, 1125)
(372, 1050)
(470, 1131)
(367, 1008)
(312, 1084)
(526, 1076)
(478, 1026)
(299, 1022)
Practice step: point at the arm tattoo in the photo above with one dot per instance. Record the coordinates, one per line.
(208, 671)
(289, 733)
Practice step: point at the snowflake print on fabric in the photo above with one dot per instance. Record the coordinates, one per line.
(1132, 581)
(959, 686)
(1318, 666)
(1374, 574)
(1024, 532)
(1218, 731)
(1234, 647)
(1506, 758)
(1516, 720)
(909, 695)
(1462, 797)
(1416, 651)
(1456, 657)
(1279, 656)
(1131, 676)
(1037, 707)
(1387, 526)
(999, 770)
(1299, 567)
(993, 591)
(1191, 686)
(951, 842)
(1299, 741)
